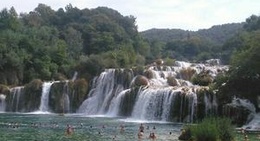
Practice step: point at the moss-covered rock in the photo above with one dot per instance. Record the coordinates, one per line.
(148, 74)
(159, 62)
(127, 103)
(140, 80)
(67, 96)
(187, 73)
(27, 98)
(172, 81)
(58, 97)
(202, 79)
(4, 89)
(32, 95)
(79, 94)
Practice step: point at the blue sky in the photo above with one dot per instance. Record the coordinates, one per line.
(182, 14)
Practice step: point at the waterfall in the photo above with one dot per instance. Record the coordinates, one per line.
(115, 104)
(157, 104)
(153, 104)
(103, 91)
(74, 76)
(2, 103)
(44, 106)
(65, 98)
(167, 96)
(16, 93)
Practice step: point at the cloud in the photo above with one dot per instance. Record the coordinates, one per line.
(184, 14)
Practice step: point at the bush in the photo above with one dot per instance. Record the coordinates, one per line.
(225, 129)
(187, 73)
(202, 79)
(212, 129)
(205, 131)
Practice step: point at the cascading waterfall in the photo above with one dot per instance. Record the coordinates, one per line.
(2, 103)
(164, 103)
(103, 91)
(153, 104)
(44, 106)
(156, 101)
(65, 98)
(16, 93)
(115, 104)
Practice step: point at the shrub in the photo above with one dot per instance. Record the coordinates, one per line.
(202, 79)
(225, 129)
(212, 129)
(205, 131)
(187, 73)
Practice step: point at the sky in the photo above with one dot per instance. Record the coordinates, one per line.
(172, 14)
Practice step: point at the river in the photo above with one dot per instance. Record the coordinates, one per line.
(52, 127)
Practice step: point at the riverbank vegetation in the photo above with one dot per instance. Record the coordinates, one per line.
(209, 129)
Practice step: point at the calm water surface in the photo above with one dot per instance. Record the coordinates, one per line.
(51, 127)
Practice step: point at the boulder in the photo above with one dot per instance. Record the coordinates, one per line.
(140, 80)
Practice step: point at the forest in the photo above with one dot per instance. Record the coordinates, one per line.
(51, 45)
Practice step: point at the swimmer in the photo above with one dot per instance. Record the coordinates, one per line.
(114, 138)
(141, 128)
(140, 135)
(122, 128)
(152, 136)
(69, 130)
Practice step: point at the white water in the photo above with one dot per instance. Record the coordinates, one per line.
(244, 103)
(103, 91)
(155, 101)
(254, 124)
(210, 103)
(2, 103)
(150, 102)
(65, 98)
(74, 76)
(44, 106)
(16, 93)
(115, 104)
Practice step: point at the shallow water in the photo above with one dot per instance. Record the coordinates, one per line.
(51, 127)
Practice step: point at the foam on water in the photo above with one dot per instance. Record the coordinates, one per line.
(254, 124)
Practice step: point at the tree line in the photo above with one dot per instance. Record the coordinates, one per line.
(49, 44)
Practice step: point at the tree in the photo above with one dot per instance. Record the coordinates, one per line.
(243, 77)
(252, 23)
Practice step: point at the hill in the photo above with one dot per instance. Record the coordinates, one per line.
(217, 34)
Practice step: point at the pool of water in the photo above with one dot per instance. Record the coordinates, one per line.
(52, 127)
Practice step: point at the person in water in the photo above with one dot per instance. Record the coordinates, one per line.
(140, 134)
(122, 128)
(141, 128)
(69, 130)
(152, 136)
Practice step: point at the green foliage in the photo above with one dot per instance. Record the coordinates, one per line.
(252, 23)
(4, 89)
(212, 129)
(243, 77)
(46, 43)
(192, 46)
(202, 79)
